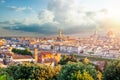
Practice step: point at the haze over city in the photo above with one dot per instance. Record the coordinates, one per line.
(59, 40)
(45, 17)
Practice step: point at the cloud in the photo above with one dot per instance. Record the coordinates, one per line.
(2, 1)
(19, 9)
(46, 16)
(40, 29)
(65, 12)
(71, 16)
(47, 28)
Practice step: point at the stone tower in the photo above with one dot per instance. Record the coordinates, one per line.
(36, 54)
(60, 34)
(10, 50)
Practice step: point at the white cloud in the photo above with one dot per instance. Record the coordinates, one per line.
(64, 11)
(30, 20)
(19, 9)
(70, 14)
(46, 16)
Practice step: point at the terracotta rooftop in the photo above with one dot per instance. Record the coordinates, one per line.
(18, 56)
(49, 60)
(7, 53)
(44, 53)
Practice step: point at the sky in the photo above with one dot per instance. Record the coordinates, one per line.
(45, 17)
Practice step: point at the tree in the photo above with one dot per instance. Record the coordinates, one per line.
(86, 60)
(10, 72)
(98, 68)
(105, 64)
(45, 72)
(81, 76)
(23, 72)
(112, 71)
(30, 71)
(22, 52)
(65, 59)
(99, 75)
(76, 70)
(2, 74)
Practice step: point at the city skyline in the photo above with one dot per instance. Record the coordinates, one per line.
(45, 17)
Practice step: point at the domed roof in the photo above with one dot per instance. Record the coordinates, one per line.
(110, 34)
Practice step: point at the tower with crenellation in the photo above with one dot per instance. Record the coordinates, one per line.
(36, 54)
(60, 33)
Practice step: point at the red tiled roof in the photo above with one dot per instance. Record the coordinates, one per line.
(44, 53)
(9, 54)
(49, 60)
(18, 56)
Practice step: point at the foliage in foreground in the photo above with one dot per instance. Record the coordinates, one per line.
(69, 71)
(78, 71)
(33, 72)
(112, 71)
(65, 59)
(2, 74)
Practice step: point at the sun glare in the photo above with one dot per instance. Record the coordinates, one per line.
(113, 10)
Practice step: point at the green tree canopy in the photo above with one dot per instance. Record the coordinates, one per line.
(22, 52)
(65, 59)
(33, 72)
(77, 71)
(112, 71)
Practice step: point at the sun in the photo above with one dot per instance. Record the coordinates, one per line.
(113, 7)
(112, 20)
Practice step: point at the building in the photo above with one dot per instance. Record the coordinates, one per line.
(49, 58)
(9, 58)
(110, 34)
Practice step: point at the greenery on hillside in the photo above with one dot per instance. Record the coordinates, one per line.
(22, 52)
(112, 71)
(70, 70)
(78, 71)
(2, 74)
(65, 59)
(30, 71)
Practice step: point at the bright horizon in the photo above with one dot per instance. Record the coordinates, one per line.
(45, 17)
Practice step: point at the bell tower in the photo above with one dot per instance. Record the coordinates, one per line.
(60, 34)
(36, 54)
(10, 50)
